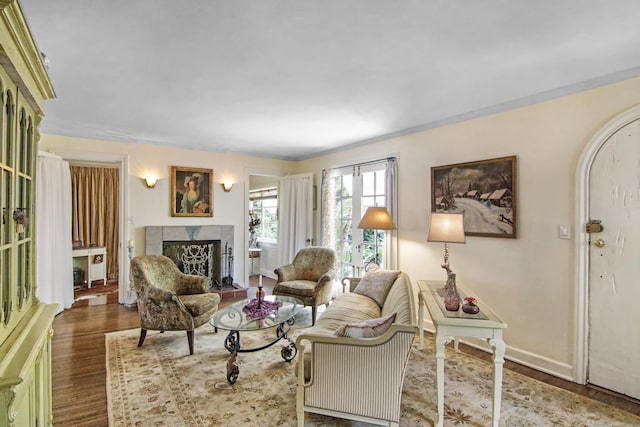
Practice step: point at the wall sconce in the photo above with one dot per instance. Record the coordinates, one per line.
(227, 186)
(150, 181)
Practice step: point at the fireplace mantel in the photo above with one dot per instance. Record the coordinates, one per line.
(155, 235)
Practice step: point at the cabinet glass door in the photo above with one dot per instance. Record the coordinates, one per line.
(17, 192)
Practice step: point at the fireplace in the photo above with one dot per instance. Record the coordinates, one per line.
(203, 250)
(200, 257)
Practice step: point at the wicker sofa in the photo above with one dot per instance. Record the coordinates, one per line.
(355, 377)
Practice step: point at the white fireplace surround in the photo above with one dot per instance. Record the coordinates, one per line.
(155, 235)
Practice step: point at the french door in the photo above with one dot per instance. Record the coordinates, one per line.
(356, 189)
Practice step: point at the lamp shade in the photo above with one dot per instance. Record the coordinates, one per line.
(446, 227)
(377, 218)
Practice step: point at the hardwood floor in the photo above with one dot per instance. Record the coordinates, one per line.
(79, 372)
(78, 362)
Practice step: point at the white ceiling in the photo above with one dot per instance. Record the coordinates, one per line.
(291, 79)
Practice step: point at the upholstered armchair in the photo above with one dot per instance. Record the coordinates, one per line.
(309, 277)
(169, 300)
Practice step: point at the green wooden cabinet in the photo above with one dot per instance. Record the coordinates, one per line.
(25, 322)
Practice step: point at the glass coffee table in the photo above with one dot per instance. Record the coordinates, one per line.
(234, 319)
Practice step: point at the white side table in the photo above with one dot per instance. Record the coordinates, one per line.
(92, 261)
(459, 324)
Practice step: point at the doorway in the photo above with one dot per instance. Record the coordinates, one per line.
(261, 256)
(607, 283)
(124, 220)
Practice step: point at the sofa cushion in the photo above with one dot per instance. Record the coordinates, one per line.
(367, 329)
(346, 308)
(400, 300)
(300, 288)
(376, 284)
(200, 303)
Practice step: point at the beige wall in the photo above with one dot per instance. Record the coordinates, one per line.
(528, 281)
(153, 206)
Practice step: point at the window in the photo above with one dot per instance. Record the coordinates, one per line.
(264, 207)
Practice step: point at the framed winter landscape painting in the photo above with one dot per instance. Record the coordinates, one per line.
(485, 191)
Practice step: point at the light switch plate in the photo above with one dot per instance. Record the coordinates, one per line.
(564, 231)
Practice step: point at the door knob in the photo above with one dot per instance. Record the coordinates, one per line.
(599, 243)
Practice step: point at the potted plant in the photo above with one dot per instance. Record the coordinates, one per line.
(254, 222)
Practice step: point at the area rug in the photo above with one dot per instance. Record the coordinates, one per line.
(159, 384)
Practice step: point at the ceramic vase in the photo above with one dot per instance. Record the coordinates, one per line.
(451, 298)
(470, 308)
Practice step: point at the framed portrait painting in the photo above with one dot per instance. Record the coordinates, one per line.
(485, 191)
(191, 191)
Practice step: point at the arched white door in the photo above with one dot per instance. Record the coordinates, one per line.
(614, 272)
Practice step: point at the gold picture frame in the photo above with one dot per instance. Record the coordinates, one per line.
(191, 192)
(485, 191)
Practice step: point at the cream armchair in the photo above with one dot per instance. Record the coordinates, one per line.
(309, 277)
(169, 300)
(358, 378)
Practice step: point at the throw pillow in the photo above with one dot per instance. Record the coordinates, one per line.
(376, 284)
(372, 267)
(367, 329)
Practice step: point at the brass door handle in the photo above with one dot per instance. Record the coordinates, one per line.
(599, 243)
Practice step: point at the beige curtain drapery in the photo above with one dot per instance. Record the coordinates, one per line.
(95, 219)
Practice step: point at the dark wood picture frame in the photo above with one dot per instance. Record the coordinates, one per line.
(485, 191)
(191, 192)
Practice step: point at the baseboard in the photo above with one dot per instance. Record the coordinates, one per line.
(522, 357)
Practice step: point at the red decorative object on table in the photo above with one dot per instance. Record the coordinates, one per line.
(470, 306)
(259, 308)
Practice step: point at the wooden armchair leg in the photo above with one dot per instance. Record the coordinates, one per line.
(143, 335)
(190, 338)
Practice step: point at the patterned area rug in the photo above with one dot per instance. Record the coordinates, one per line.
(159, 384)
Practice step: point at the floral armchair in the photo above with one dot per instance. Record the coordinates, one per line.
(169, 300)
(309, 278)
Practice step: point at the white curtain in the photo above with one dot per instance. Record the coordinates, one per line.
(295, 205)
(327, 209)
(54, 262)
(391, 196)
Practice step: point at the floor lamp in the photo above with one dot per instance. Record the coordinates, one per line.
(376, 218)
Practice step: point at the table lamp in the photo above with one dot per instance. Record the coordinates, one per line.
(447, 228)
(376, 218)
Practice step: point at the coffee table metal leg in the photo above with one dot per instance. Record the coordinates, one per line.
(284, 327)
(232, 341)
(233, 368)
(289, 350)
(232, 344)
